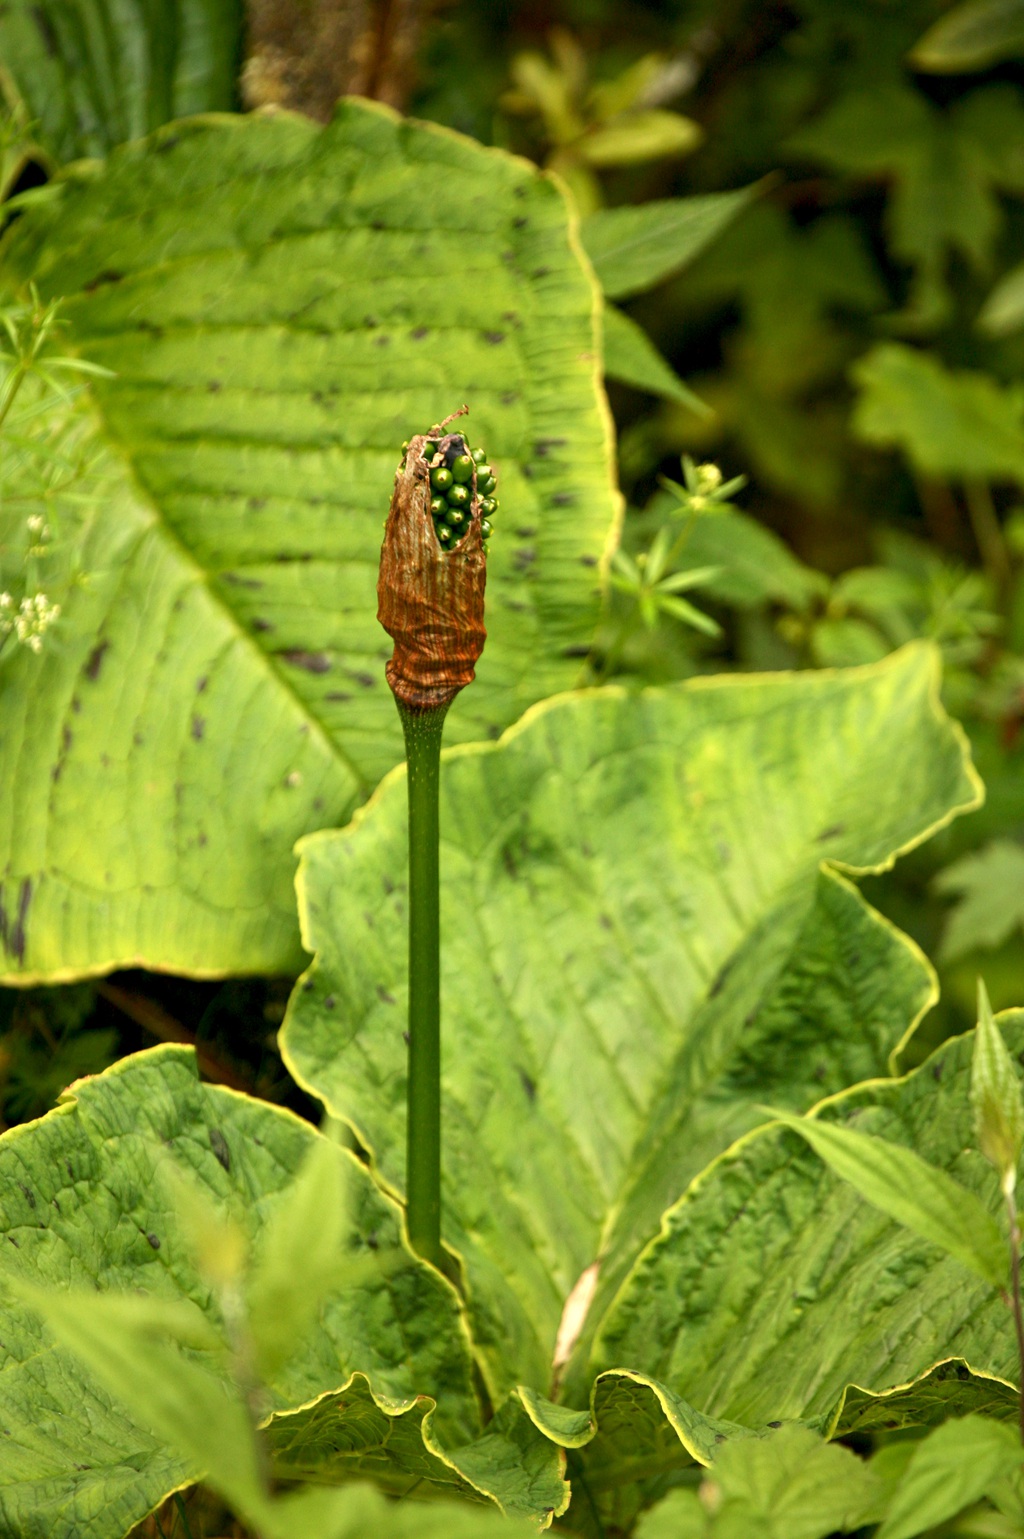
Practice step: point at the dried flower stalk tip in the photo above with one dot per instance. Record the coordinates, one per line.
(430, 596)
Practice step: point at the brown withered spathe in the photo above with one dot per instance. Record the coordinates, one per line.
(430, 600)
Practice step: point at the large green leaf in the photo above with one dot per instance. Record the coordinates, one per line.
(962, 423)
(281, 306)
(94, 74)
(640, 942)
(773, 1287)
(381, 1388)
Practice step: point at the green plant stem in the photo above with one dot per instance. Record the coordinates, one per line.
(987, 532)
(423, 731)
(1018, 1316)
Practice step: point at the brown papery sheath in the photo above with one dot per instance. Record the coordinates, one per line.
(430, 600)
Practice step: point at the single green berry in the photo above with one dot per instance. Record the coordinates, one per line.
(430, 449)
(444, 534)
(462, 468)
(456, 517)
(480, 456)
(405, 447)
(458, 496)
(485, 529)
(483, 470)
(485, 485)
(440, 479)
(438, 507)
(488, 506)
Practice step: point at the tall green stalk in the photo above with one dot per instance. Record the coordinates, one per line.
(423, 729)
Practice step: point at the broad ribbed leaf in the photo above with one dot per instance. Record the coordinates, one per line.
(773, 1287)
(82, 1205)
(639, 944)
(282, 305)
(93, 73)
(634, 248)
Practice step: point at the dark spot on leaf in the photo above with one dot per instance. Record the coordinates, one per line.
(108, 275)
(329, 1002)
(540, 272)
(95, 662)
(509, 397)
(493, 731)
(28, 1193)
(520, 222)
(198, 728)
(202, 840)
(721, 978)
(12, 930)
(383, 994)
(831, 832)
(586, 850)
(138, 739)
(168, 144)
(528, 1085)
(419, 333)
(527, 471)
(237, 581)
(580, 651)
(820, 1070)
(494, 337)
(387, 884)
(604, 921)
(337, 695)
(405, 1038)
(255, 503)
(509, 861)
(367, 680)
(525, 532)
(261, 625)
(55, 1204)
(76, 705)
(588, 561)
(67, 1167)
(719, 1437)
(14, 1242)
(307, 984)
(524, 559)
(372, 1242)
(313, 662)
(213, 386)
(153, 1241)
(370, 320)
(937, 1070)
(563, 499)
(381, 341)
(544, 446)
(201, 684)
(219, 1145)
(775, 1424)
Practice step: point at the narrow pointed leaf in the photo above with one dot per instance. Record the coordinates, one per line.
(911, 1191)
(634, 248)
(996, 1097)
(631, 357)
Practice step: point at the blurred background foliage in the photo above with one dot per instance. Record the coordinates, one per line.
(822, 437)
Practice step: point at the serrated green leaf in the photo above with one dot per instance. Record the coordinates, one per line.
(572, 979)
(996, 1097)
(990, 885)
(791, 1485)
(634, 248)
(631, 356)
(949, 423)
(951, 1469)
(281, 305)
(775, 1291)
(94, 75)
(381, 1388)
(972, 36)
(913, 1192)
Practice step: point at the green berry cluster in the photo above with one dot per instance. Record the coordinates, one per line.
(451, 486)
